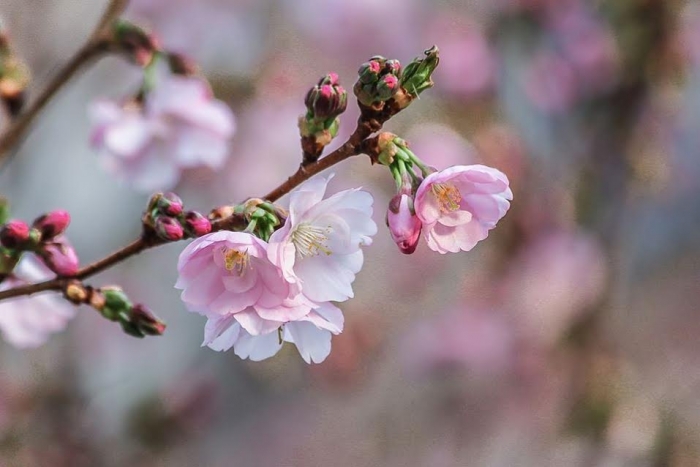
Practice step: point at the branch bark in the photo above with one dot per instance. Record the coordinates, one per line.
(96, 45)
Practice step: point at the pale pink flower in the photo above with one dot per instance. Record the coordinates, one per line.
(459, 205)
(319, 245)
(228, 274)
(180, 125)
(27, 322)
(404, 225)
(311, 334)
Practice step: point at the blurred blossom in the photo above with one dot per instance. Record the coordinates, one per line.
(553, 281)
(180, 125)
(469, 338)
(440, 146)
(459, 205)
(550, 82)
(28, 322)
(467, 61)
(359, 29)
(587, 44)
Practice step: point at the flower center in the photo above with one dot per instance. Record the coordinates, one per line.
(237, 261)
(447, 195)
(310, 240)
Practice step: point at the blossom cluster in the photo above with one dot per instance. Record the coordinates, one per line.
(258, 294)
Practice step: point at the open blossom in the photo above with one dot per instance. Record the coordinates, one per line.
(28, 322)
(228, 274)
(319, 246)
(459, 205)
(180, 125)
(311, 335)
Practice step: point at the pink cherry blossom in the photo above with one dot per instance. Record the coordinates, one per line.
(319, 245)
(404, 225)
(27, 322)
(311, 334)
(228, 274)
(180, 125)
(459, 205)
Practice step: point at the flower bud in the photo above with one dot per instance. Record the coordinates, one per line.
(139, 45)
(387, 87)
(182, 65)
(14, 234)
(416, 76)
(59, 256)
(116, 304)
(169, 204)
(327, 99)
(143, 322)
(370, 71)
(52, 224)
(196, 224)
(404, 225)
(168, 228)
(393, 67)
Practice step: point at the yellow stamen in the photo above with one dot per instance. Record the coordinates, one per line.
(447, 195)
(310, 240)
(235, 260)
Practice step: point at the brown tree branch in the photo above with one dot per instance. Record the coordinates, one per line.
(96, 45)
(354, 146)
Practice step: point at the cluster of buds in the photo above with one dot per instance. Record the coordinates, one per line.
(324, 103)
(14, 76)
(44, 238)
(263, 217)
(112, 303)
(378, 81)
(381, 80)
(168, 219)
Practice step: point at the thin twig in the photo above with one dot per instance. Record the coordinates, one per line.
(95, 46)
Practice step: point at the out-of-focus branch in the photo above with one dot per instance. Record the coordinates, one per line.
(96, 45)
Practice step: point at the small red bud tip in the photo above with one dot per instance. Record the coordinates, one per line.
(60, 257)
(52, 224)
(391, 81)
(196, 224)
(169, 204)
(14, 234)
(374, 66)
(169, 229)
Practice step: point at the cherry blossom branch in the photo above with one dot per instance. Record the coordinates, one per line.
(358, 143)
(96, 45)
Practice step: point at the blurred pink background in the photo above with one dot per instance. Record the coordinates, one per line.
(568, 338)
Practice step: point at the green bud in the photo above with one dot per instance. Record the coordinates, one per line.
(416, 76)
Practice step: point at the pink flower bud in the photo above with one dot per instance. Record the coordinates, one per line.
(196, 224)
(14, 234)
(169, 204)
(59, 256)
(403, 224)
(52, 224)
(168, 228)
